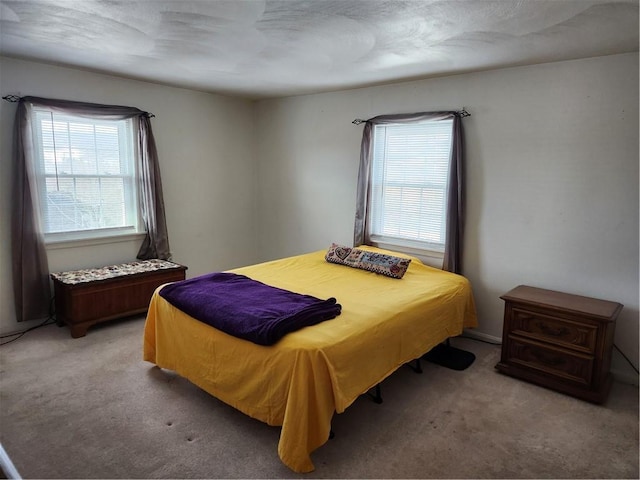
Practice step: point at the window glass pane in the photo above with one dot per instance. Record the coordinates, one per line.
(82, 148)
(409, 183)
(87, 173)
(108, 150)
(46, 137)
(62, 148)
(113, 202)
(87, 198)
(61, 205)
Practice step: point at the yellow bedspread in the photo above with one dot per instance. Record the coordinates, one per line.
(302, 380)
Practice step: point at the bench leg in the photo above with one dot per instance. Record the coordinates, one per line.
(78, 331)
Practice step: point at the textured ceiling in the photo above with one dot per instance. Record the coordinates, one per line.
(264, 48)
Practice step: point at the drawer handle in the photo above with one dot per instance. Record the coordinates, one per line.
(553, 361)
(556, 332)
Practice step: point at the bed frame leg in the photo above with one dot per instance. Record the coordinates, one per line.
(418, 367)
(377, 398)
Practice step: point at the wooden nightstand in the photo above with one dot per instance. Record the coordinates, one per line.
(559, 341)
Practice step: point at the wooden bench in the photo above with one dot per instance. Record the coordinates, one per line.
(86, 297)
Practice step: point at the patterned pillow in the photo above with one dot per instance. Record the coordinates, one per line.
(388, 265)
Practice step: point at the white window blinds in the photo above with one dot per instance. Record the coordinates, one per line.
(86, 174)
(409, 184)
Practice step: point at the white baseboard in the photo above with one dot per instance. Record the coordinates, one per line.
(483, 336)
(630, 378)
(620, 369)
(7, 465)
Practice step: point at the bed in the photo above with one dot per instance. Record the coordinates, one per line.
(300, 382)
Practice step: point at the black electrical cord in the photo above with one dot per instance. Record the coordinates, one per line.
(626, 358)
(18, 335)
(493, 343)
(50, 320)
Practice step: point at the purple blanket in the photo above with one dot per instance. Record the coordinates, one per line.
(246, 308)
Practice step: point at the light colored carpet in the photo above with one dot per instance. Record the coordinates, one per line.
(91, 408)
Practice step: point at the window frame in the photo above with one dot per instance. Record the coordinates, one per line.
(128, 148)
(433, 251)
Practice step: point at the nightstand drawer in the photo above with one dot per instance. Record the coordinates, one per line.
(553, 330)
(570, 366)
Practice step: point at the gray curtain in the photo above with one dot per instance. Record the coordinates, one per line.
(455, 214)
(156, 242)
(455, 202)
(30, 268)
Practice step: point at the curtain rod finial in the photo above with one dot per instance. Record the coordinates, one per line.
(358, 121)
(12, 98)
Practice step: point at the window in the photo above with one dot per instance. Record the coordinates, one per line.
(86, 176)
(409, 182)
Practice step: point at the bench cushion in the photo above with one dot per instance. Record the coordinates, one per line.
(73, 277)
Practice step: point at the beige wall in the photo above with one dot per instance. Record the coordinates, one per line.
(206, 159)
(552, 177)
(552, 169)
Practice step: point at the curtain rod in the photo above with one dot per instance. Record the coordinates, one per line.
(461, 113)
(16, 99)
